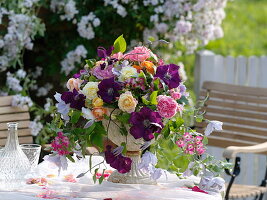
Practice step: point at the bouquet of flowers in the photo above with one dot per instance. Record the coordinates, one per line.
(133, 99)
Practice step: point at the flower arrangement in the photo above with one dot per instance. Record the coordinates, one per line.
(27, 23)
(142, 96)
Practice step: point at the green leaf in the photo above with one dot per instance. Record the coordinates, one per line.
(205, 140)
(94, 177)
(146, 102)
(102, 177)
(97, 139)
(124, 118)
(199, 118)
(90, 129)
(119, 45)
(70, 158)
(100, 129)
(75, 116)
(90, 62)
(156, 84)
(166, 130)
(153, 98)
(92, 79)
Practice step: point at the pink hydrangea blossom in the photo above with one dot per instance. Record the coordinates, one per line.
(190, 149)
(180, 143)
(161, 62)
(187, 136)
(200, 145)
(167, 106)
(175, 94)
(200, 151)
(60, 144)
(198, 139)
(139, 54)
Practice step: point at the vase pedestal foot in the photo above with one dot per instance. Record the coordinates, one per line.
(135, 175)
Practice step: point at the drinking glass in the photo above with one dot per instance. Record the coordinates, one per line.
(32, 151)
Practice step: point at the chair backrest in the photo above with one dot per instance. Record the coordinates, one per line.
(242, 109)
(14, 114)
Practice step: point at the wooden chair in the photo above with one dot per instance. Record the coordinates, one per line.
(14, 114)
(243, 110)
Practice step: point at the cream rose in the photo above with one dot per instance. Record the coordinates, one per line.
(90, 90)
(127, 102)
(74, 83)
(127, 72)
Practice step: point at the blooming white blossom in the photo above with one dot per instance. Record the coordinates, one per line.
(115, 4)
(85, 26)
(48, 104)
(36, 126)
(37, 72)
(73, 57)
(28, 3)
(21, 73)
(213, 125)
(21, 101)
(13, 83)
(20, 31)
(67, 7)
(43, 91)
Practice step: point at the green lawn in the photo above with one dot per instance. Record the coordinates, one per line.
(245, 29)
(245, 33)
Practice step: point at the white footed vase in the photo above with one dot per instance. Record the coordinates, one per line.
(135, 175)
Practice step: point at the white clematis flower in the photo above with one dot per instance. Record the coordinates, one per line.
(213, 125)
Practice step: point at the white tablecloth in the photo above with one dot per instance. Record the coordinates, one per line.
(84, 189)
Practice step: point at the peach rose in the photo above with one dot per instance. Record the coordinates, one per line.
(99, 113)
(74, 83)
(149, 66)
(127, 102)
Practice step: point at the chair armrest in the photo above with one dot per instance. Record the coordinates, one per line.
(231, 151)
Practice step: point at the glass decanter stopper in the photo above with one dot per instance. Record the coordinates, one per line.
(14, 164)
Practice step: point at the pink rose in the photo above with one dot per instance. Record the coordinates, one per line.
(167, 106)
(118, 56)
(139, 54)
(74, 83)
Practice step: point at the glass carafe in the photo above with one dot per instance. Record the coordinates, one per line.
(14, 164)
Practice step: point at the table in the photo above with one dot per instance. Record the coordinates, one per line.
(84, 189)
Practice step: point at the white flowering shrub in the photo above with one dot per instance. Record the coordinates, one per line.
(43, 41)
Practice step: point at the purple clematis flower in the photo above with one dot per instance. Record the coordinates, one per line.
(103, 53)
(169, 75)
(145, 123)
(78, 75)
(108, 90)
(119, 162)
(75, 99)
